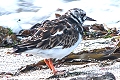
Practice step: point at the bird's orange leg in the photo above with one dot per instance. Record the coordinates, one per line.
(47, 63)
(50, 65)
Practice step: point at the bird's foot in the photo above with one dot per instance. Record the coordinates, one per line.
(59, 72)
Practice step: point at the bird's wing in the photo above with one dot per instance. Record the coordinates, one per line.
(52, 34)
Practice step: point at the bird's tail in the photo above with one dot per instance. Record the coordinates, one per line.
(18, 49)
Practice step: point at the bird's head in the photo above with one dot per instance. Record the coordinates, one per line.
(78, 15)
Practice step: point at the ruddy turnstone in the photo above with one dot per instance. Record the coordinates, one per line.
(56, 38)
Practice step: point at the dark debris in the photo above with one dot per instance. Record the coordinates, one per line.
(78, 76)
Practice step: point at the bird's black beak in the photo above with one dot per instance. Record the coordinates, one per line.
(90, 19)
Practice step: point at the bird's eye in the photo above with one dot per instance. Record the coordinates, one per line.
(82, 14)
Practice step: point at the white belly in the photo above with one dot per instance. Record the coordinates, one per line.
(56, 52)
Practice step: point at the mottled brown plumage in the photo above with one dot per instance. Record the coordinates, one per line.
(45, 37)
(63, 31)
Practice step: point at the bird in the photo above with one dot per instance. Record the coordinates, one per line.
(55, 38)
